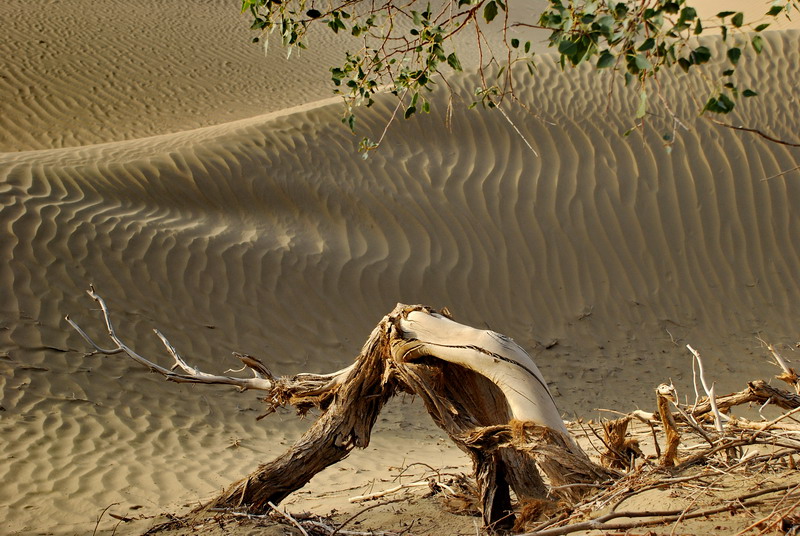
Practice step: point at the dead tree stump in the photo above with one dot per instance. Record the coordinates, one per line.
(480, 387)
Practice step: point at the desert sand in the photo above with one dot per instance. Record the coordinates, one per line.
(212, 192)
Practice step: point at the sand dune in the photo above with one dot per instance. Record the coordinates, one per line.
(77, 75)
(267, 235)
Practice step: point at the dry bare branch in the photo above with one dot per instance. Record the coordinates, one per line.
(190, 375)
(709, 390)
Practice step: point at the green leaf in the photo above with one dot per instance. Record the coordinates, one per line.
(515, 43)
(567, 48)
(642, 109)
(313, 14)
(643, 63)
(734, 54)
(606, 59)
(688, 13)
(453, 61)
(721, 104)
(774, 10)
(727, 72)
(738, 19)
(411, 110)
(758, 43)
(628, 79)
(700, 55)
(527, 46)
(670, 7)
(647, 45)
(336, 24)
(490, 11)
(749, 93)
(723, 14)
(605, 23)
(762, 27)
(698, 28)
(337, 75)
(727, 102)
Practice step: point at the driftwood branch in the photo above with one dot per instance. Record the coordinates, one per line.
(473, 383)
(758, 391)
(710, 393)
(303, 390)
(190, 374)
(488, 395)
(789, 375)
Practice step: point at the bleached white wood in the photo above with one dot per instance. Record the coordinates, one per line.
(712, 397)
(491, 354)
(308, 383)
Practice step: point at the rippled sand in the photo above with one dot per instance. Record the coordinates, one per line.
(602, 256)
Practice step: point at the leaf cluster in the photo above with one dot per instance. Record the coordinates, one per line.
(642, 38)
(408, 47)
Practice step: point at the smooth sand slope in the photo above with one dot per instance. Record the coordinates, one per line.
(269, 236)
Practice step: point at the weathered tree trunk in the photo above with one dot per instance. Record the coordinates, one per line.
(346, 423)
(479, 386)
(470, 381)
(461, 401)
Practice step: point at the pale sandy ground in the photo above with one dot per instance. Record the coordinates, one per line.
(267, 234)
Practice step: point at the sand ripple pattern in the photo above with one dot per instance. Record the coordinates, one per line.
(74, 76)
(269, 236)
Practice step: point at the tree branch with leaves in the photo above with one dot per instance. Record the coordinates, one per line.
(407, 47)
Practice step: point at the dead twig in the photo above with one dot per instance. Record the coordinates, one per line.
(96, 525)
(709, 390)
(357, 514)
(658, 518)
(764, 135)
(290, 518)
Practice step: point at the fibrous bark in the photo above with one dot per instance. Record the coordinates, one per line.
(346, 424)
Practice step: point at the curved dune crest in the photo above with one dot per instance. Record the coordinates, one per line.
(271, 236)
(77, 74)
